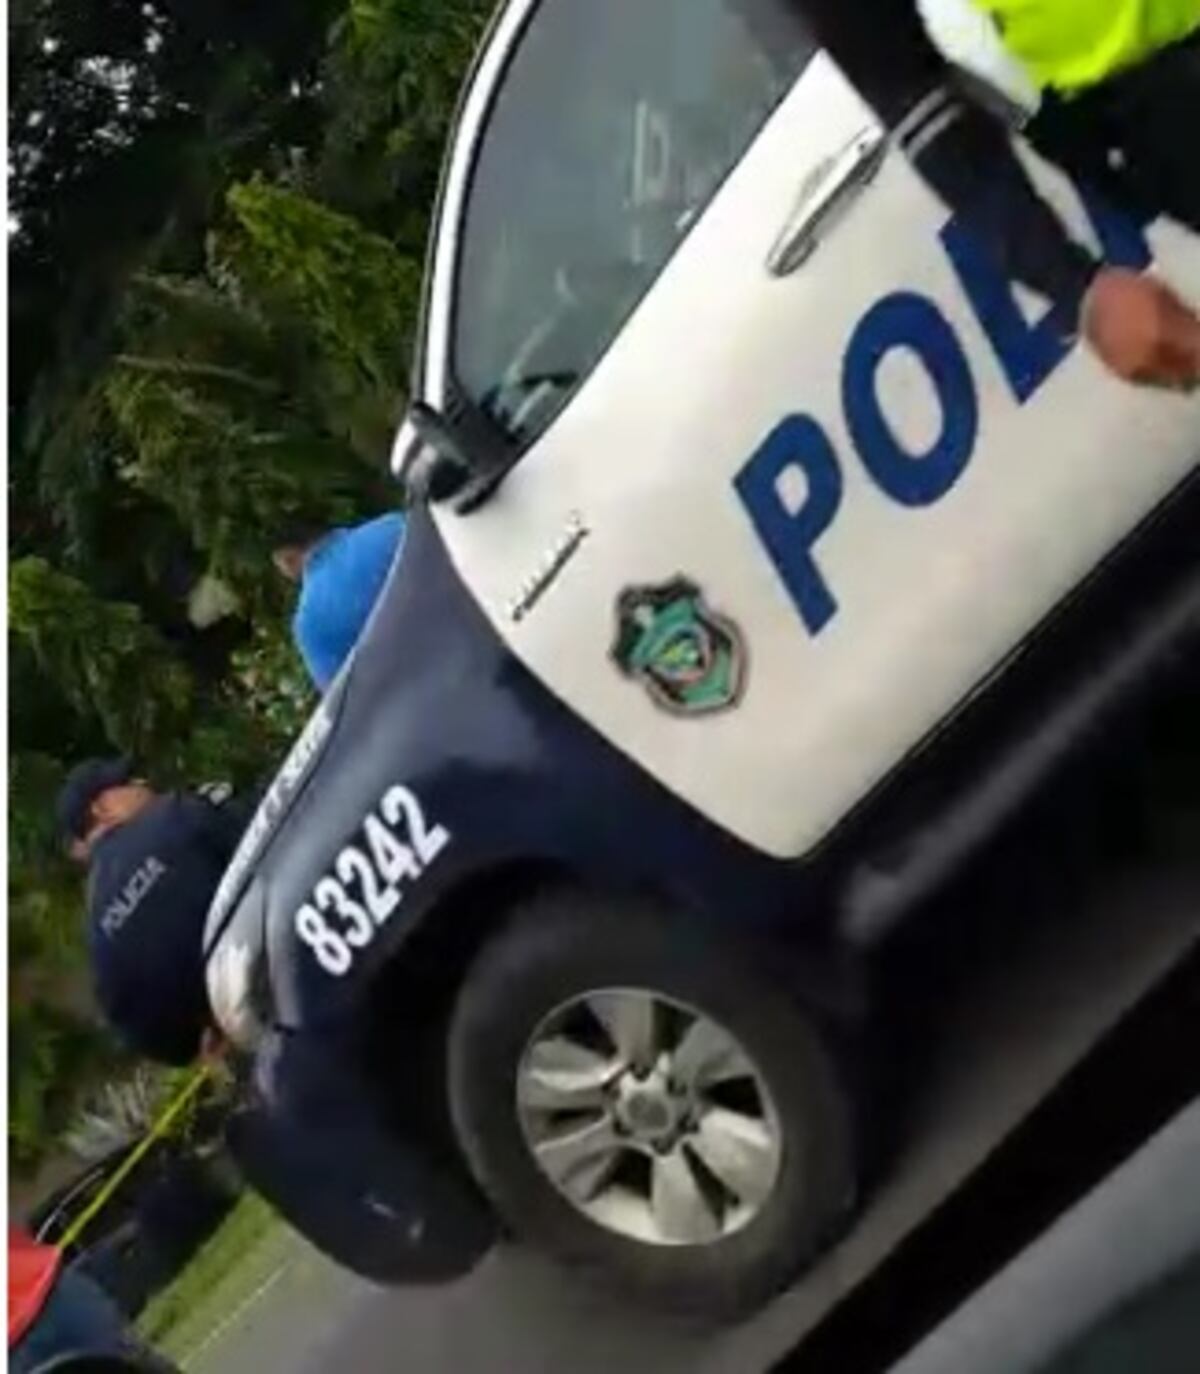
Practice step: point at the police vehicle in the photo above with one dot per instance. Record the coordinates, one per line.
(768, 549)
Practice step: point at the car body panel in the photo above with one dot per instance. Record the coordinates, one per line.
(432, 700)
(647, 453)
(310, 1137)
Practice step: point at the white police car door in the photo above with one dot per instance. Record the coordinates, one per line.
(799, 469)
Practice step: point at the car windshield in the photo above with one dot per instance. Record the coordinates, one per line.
(613, 126)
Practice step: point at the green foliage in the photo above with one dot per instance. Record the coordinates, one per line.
(393, 75)
(34, 778)
(52, 1056)
(272, 683)
(228, 482)
(43, 890)
(96, 650)
(346, 292)
(109, 662)
(33, 1051)
(125, 119)
(214, 270)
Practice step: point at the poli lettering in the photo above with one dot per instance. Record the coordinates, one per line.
(1028, 353)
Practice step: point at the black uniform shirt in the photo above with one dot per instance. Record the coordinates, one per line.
(149, 889)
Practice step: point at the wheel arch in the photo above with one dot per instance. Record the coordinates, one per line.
(412, 995)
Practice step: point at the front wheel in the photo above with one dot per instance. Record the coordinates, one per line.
(634, 1095)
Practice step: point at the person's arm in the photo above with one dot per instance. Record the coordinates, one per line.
(961, 151)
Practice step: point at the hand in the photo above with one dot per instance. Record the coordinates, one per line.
(1142, 331)
(213, 1046)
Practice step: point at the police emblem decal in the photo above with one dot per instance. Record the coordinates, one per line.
(690, 659)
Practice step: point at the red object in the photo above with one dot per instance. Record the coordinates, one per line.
(32, 1270)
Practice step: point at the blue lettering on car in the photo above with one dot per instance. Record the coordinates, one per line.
(907, 320)
(797, 442)
(1028, 353)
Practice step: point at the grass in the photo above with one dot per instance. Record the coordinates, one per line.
(238, 1256)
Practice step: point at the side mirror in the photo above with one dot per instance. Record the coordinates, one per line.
(428, 458)
(437, 458)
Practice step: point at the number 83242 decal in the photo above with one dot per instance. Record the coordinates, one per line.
(366, 883)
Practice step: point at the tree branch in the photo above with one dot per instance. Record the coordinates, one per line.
(182, 368)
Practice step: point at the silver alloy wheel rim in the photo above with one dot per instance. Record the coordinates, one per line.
(648, 1117)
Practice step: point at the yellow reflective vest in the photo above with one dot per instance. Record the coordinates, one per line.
(1072, 44)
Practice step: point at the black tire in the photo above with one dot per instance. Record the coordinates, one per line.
(563, 944)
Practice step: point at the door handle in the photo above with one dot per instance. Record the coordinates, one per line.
(825, 195)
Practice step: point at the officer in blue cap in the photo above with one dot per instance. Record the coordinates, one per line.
(154, 861)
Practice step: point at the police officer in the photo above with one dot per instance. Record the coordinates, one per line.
(1123, 105)
(154, 862)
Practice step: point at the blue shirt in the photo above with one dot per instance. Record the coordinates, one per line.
(342, 580)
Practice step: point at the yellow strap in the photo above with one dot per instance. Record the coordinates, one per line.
(168, 1117)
